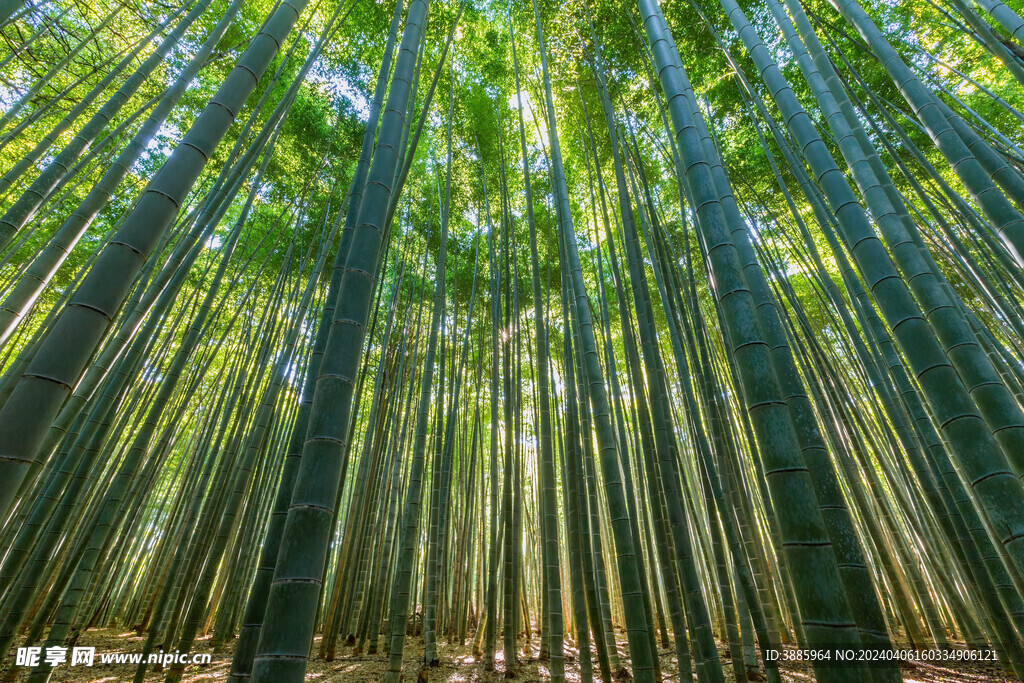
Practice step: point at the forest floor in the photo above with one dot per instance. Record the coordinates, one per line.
(458, 665)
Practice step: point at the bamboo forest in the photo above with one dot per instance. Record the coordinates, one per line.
(546, 340)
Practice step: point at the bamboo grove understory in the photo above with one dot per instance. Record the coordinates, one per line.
(632, 333)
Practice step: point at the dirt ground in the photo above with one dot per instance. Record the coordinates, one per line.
(458, 666)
